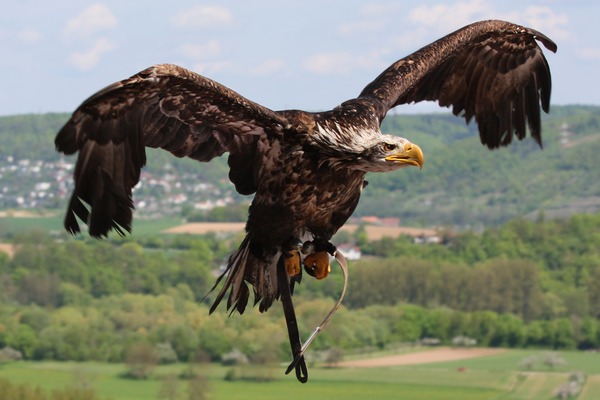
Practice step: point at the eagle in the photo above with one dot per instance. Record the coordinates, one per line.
(306, 170)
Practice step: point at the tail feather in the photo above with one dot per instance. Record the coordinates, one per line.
(243, 267)
(235, 280)
(267, 285)
(236, 266)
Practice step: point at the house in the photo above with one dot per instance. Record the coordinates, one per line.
(350, 251)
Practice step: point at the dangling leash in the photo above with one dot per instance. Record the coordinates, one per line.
(290, 320)
(299, 364)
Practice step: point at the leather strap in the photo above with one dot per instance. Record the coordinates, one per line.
(292, 325)
(299, 355)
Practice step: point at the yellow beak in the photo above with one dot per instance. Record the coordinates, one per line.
(411, 154)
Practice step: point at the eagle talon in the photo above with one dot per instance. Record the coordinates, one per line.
(317, 264)
(292, 262)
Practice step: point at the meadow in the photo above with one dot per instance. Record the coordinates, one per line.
(53, 222)
(486, 378)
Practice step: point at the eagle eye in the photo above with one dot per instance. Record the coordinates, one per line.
(389, 146)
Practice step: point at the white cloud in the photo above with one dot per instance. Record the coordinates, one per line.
(210, 68)
(547, 21)
(267, 67)
(202, 17)
(199, 51)
(328, 63)
(342, 62)
(94, 18)
(29, 36)
(441, 18)
(445, 17)
(428, 22)
(86, 60)
(590, 53)
(380, 9)
(361, 27)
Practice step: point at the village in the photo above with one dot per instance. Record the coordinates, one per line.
(36, 185)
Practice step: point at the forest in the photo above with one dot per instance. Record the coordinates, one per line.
(522, 284)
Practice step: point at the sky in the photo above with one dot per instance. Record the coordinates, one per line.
(310, 55)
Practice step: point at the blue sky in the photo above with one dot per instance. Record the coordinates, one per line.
(283, 54)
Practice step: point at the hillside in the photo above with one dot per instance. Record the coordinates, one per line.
(461, 184)
(464, 184)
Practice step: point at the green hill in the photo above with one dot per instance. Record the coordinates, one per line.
(461, 184)
(464, 184)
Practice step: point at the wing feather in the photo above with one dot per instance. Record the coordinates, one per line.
(164, 106)
(476, 70)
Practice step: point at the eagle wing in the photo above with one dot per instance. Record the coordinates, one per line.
(493, 71)
(164, 106)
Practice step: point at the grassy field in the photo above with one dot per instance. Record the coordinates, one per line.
(488, 378)
(54, 223)
(13, 225)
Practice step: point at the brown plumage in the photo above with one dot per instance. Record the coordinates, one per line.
(306, 169)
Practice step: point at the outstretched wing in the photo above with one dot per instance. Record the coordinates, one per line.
(163, 106)
(491, 70)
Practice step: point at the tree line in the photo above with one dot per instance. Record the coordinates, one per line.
(533, 269)
(524, 284)
(176, 326)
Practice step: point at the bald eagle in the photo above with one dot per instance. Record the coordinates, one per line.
(306, 170)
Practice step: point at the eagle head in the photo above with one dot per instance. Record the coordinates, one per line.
(389, 153)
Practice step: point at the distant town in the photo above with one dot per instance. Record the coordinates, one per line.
(41, 185)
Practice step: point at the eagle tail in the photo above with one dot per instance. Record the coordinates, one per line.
(244, 267)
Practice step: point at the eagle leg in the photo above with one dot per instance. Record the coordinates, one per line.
(292, 262)
(316, 261)
(317, 264)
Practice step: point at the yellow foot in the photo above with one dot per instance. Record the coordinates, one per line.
(317, 264)
(292, 262)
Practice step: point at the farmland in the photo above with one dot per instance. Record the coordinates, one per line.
(373, 232)
(488, 377)
(14, 222)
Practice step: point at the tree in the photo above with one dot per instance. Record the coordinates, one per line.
(40, 288)
(24, 391)
(198, 388)
(588, 337)
(482, 326)
(165, 354)
(553, 360)
(216, 337)
(534, 334)
(410, 326)
(509, 332)
(463, 341)
(529, 363)
(169, 388)
(594, 292)
(335, 355)
(361, 237)
(564, 334)
(185, 341)
(567, 390)
(24, 340)
(10, 354)
(141, 360)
